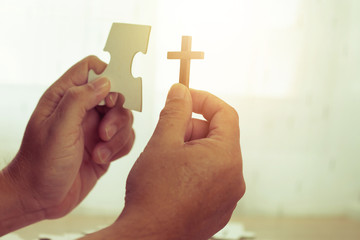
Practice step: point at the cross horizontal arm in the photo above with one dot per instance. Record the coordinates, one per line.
(185, 55)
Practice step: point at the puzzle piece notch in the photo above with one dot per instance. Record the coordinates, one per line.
(124, 42)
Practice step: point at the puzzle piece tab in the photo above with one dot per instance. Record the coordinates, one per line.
(124, 41)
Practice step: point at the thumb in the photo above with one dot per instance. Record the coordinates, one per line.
(175, 116)
(79, 99)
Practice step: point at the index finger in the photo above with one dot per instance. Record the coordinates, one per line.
(77, 75)
(223, 119)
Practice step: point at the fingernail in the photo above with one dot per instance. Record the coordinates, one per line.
(177, 91)
(113, 97)
(104, 154)
(110, 131)
(100, 83)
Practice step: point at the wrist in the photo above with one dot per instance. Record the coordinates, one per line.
(16, 208)
(138, 226)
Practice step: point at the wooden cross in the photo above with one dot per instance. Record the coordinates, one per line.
(185, 56)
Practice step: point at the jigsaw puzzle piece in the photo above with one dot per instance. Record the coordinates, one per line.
(124, 41)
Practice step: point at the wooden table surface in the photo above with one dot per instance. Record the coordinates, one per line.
(265, 228)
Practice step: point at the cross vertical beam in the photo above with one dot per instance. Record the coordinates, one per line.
(185, 57)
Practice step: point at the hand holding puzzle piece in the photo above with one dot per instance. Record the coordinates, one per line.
(124, 41)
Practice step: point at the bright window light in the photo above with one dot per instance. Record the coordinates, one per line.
(249, 46)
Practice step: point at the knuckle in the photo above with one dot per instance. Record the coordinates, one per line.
(127, 149)
(73, 93)
(129, 118)
(128, 146)
(171, 112)
(240, 182)
(236, 183)
(124, 118)
(120, 99)
(234, 120)
(240, 190)
(234, 113)
(133, 135)
(126, 114)
(91, 58)
(51, 95)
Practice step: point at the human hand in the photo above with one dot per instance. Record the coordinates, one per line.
(69, 142)
(188, 180)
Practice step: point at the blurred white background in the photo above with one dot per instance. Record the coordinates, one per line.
(291, 68)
